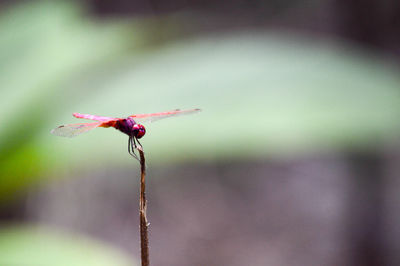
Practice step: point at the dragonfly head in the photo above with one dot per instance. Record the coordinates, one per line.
(138, 130)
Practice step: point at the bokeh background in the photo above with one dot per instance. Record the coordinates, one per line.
(294, 160)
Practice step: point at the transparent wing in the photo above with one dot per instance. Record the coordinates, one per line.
(93, 117)
(73, 130)
(157, 116)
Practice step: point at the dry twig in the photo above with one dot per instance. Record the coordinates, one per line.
(144, 240)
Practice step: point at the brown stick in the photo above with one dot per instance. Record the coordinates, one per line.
(144, 240)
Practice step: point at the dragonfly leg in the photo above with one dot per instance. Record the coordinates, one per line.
(131, 147)
(134, 142)
(139, 143)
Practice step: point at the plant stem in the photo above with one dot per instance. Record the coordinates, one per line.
(144, 240)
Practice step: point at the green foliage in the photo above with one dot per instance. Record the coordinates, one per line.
(262, 94)
(40, 246)
(45, 45)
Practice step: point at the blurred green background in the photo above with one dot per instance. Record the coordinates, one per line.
(300, 106)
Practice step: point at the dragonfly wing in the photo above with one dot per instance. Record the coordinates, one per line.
(73, 130)
(93, 117)
(157, 116)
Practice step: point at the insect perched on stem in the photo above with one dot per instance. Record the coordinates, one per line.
(131, 125)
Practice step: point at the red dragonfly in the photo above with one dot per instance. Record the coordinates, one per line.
(130, 125)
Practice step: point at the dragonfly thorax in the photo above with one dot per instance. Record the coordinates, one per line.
(131, 128)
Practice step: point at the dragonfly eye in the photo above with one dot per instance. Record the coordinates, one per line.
(139, 130)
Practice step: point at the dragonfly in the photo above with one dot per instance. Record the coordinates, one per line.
(131, 125)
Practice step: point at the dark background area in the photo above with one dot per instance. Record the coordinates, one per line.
(373, 24)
